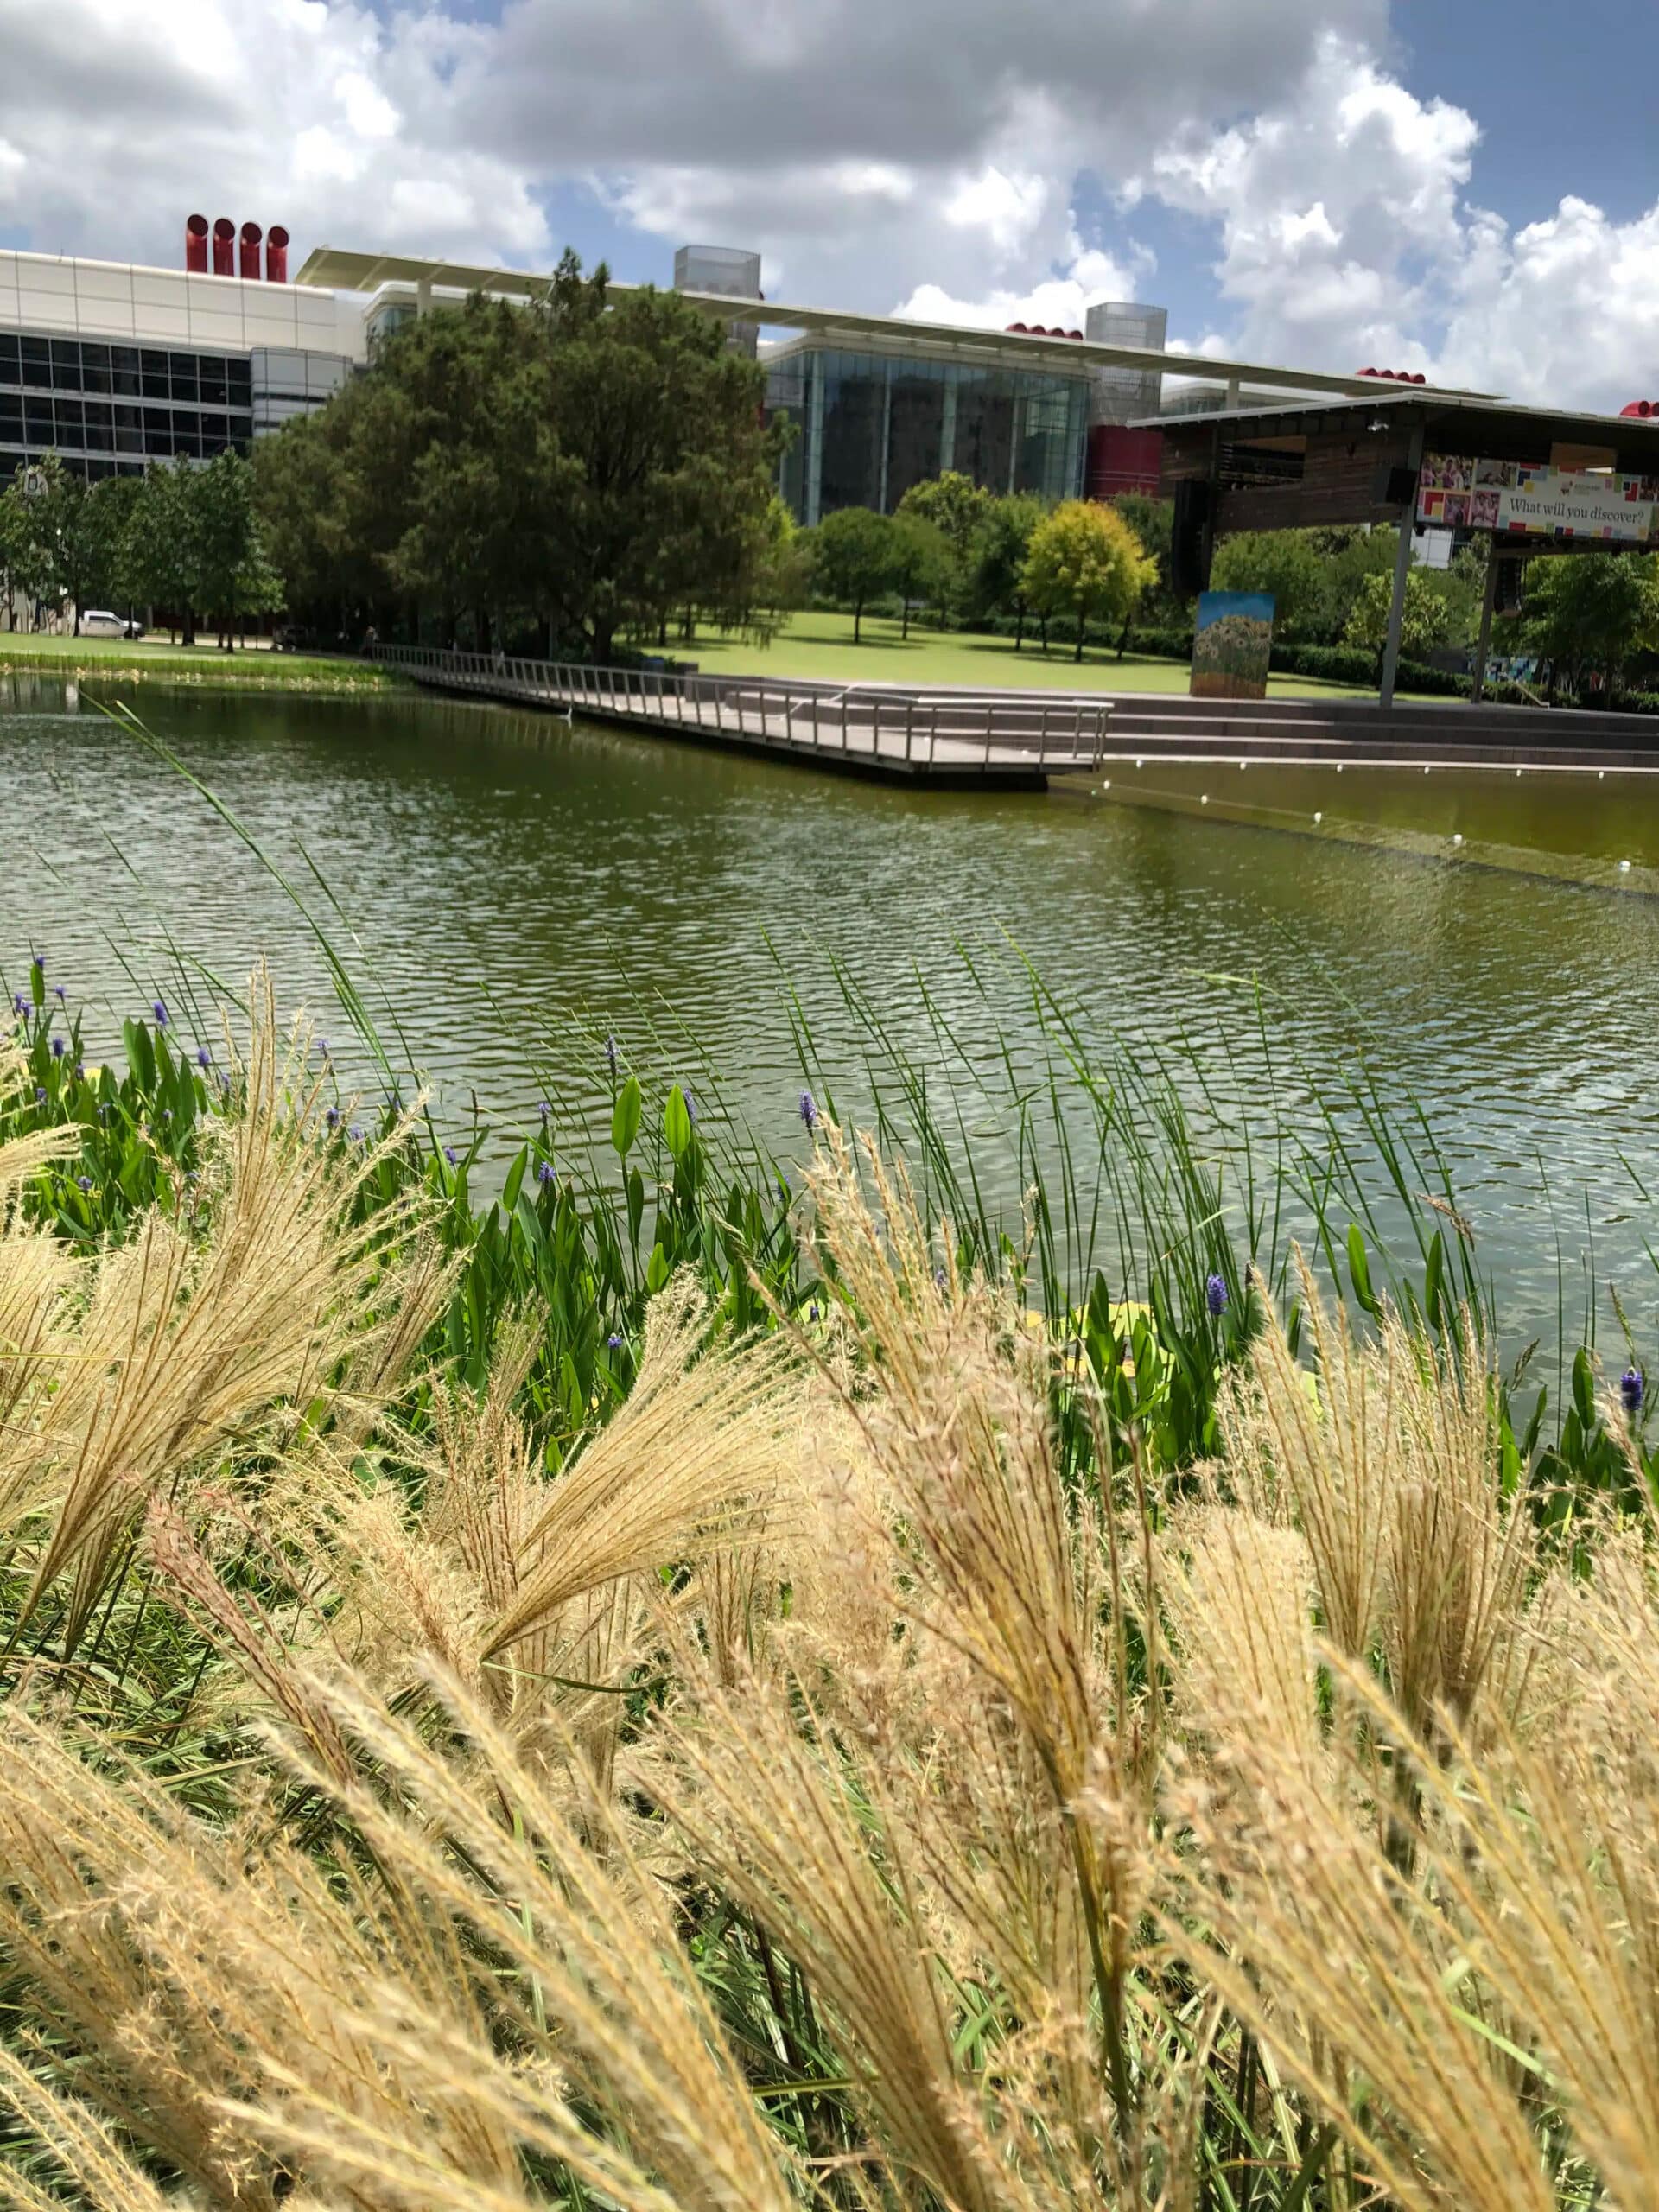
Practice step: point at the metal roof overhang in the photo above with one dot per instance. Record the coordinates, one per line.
(332, 268)
(1453, 422)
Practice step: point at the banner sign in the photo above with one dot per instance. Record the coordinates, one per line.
(1461, 492)
(1232, 643)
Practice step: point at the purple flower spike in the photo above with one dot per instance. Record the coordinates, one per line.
(1632, 1388)
(610, 1053)
(83, 1182)
(449, 1153)
(615, 1340)
(60, 995)
(160, 1013)
(19, 1004)
(545, 1110)
(1215, 1295)
(809, 1109)
(40, 1096)
(355, 1134)
(545, 1174)
(322, 1048)
(204, 1058)
(332, 1117)
(58, 1048)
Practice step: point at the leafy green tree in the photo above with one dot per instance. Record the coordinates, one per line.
(1086, 562)
(997, 581)
(1423, 624)
(1587, 612)
(69, 552)
(852, 560)
(1280, 562)
(921, 565)
(957, 507)
(1152, 522)
(163, 554)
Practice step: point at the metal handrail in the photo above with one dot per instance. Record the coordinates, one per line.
(990, 727)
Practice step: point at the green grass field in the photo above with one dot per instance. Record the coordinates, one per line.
(821, 645)
(147, 660)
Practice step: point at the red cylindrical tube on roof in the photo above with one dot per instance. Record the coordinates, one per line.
(224, 247)
(276, 255)
(195, 244)
(251, 235)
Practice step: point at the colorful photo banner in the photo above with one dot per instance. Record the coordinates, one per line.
(1460, 492)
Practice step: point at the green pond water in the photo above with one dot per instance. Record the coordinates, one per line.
(514, 889)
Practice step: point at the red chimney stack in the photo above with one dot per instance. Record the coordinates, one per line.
(224, 247)
(251, 235)
(195, 244)
(276, 255)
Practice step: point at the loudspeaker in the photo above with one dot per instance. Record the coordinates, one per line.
(1189, 569)
(1400, 488)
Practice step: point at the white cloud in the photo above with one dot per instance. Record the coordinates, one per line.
(925, 155)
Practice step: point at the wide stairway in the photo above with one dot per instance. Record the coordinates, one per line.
(1168, 726)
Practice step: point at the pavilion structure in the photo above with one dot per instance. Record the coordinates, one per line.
(1535, 479)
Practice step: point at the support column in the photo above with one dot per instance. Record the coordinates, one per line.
(1489, 599)
(422, 295)
(948, 428)
(1401, 570)
(886, 437)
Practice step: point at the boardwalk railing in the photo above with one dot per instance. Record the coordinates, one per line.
(888, 724)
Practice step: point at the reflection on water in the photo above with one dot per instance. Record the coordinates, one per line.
(503, 873)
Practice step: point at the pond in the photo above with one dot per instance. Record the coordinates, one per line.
(514, 889)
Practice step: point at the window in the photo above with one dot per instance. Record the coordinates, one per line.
(11, 419)
(915, 428)
(71, 423)
(37, 361)
(855, 408)
(156, 383)
(66, 364)
(215, 385)
(129, 430)
(9, 365)
(215, 433)
(38, 426)
(100, 427)
(124, 371)
(185, 384)
(94, 367)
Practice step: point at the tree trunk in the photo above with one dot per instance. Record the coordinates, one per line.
(1042, 620)
(858, 618)
(1078, 653)
(903, 626)
(1018, 624)
(1123, 639)
(188, 627)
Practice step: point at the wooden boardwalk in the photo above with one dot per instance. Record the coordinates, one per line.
(1006, 740)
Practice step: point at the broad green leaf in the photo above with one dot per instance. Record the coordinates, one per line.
(676, 1123)
(1360, 1269)
(624, 1117)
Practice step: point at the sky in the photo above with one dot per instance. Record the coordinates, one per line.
(1459, 187)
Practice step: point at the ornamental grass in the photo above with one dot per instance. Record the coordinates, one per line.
(819, 1788)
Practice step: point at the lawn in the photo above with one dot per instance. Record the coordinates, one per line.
(821, 645)
(153, 660)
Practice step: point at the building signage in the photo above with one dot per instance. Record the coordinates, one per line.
(1461, 492)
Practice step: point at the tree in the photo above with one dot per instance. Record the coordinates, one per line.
(1590, 611)
(997, 581)
(163, 556)
(1283, 563)
(1086, 562)
(852, 560)
(957, 507)
(920, 565)
(1424, 623)
(1152, 522)
(585, 464)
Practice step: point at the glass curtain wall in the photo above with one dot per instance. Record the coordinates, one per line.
(870, 425)
(105, 408)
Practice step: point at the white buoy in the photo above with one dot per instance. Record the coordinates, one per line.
(1106, 785)
(1623, 868)
(1457, 836)
(1338, 767)
(1601, 775)
(1243, 763)
(1425, 767)
(1140, 764)
(1205, 800)
(1317, 819)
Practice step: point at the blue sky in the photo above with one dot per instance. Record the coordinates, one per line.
(1459, 185)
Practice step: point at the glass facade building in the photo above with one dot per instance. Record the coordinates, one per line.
(869, 425)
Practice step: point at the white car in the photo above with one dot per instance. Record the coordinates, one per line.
(98, 622)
